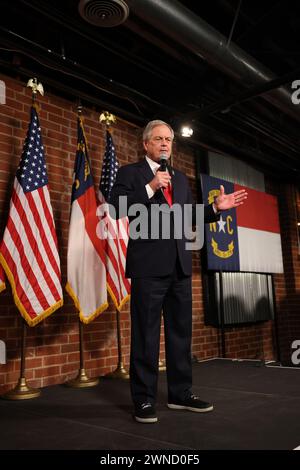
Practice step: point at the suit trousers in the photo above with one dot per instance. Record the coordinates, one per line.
(150, 296)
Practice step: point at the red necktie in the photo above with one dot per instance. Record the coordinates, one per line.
(168, 194)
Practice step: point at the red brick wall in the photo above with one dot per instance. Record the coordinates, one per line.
(52, 346)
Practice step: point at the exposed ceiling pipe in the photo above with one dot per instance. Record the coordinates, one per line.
(53, 61)
(77, 27)
(189, 30)
(257, 90)
(154, 39)
(210, 138)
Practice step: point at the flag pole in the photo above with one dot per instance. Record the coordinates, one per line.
(22, 391)
(82, 380)
(120, 372)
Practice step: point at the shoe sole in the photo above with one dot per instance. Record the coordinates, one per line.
(146, 420)
(190, 408)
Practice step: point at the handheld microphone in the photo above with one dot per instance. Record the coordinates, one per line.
(163, 159)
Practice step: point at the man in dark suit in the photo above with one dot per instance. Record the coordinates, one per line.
(160, 270)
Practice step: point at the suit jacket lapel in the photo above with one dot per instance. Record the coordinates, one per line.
(146, 171)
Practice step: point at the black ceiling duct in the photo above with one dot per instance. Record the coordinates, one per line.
(186, 28)
(104, 13)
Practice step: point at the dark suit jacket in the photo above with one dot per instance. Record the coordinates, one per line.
(154, 257)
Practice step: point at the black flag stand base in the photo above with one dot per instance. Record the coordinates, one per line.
(120, 372)
(82, 380)
(22, 391)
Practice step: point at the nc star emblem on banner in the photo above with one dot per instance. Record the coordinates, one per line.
(221, 236)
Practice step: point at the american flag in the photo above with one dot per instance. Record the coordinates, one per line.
(2, 283)
(117, 237)
(86, 253)
(28, 252)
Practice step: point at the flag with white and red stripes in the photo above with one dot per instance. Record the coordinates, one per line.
(2, 283)
(86, 254)
(117, 231)
(28, 252)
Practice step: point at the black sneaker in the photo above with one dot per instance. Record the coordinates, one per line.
(145, 413)
(191, 403)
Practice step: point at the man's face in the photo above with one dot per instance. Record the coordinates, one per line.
(160, 142)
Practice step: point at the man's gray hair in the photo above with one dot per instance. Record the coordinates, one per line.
(150, 126)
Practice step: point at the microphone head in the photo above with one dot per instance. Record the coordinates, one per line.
(163, 159)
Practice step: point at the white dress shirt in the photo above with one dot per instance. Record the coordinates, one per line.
(154, 167)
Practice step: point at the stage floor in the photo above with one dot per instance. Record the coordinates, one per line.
(256, 407)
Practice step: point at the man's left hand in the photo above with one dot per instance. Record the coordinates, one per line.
(227, 201)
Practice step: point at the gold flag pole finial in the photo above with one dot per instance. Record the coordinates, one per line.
(35, 87)
(79, 108)
(107, 118)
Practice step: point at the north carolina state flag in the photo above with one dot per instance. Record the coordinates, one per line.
(86, 255)
(246, 238)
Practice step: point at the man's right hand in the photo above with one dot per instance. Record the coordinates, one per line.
(160, 180)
